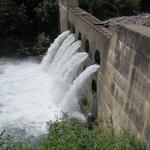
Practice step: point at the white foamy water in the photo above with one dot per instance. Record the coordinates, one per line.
(25, 99)
(77, 91)
(53, 50)
(31, 94)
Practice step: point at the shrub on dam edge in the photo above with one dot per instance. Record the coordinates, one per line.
(71, 134)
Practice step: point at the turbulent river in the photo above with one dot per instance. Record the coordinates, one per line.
(33, 93)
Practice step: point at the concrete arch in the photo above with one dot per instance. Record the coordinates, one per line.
(94, 99)
(97, 57)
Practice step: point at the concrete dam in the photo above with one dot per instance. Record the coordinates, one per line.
(120, 90)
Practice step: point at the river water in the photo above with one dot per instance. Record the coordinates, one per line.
(33, 93)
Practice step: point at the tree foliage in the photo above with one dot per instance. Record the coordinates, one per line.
(104, 9)
(47, 15)
(145, 5)
(22, 21)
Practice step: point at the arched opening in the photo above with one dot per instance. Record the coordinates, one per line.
(94, 100)
(79, 36)
(97, 57)
(73, 30)
(69, 25)
(94, 87)
(84, 102)
(87, 46)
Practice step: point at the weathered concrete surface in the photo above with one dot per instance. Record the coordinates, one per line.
(129, 69)
(123, 80)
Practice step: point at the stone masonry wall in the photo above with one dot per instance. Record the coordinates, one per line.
(123, 79)
(128, 71)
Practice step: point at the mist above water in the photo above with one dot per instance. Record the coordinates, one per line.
(33, 93)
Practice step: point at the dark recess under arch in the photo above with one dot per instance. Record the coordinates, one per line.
(97, 57)
(69, 25)
(94, 86)
(87, 46)
(79, 36)
(73, 30)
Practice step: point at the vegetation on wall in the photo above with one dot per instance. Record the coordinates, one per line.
(71, 134)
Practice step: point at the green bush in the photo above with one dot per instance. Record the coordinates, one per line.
(47, 15)
(71, 134)
(145, 5)
(104, 9)
(42, 40)
(24, 20)
(42, 44)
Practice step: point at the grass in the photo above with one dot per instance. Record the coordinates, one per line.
(71, 134)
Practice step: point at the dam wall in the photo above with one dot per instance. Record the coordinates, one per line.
(126, 83)
(121, 89)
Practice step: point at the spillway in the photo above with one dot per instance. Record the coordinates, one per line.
(33, 93)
